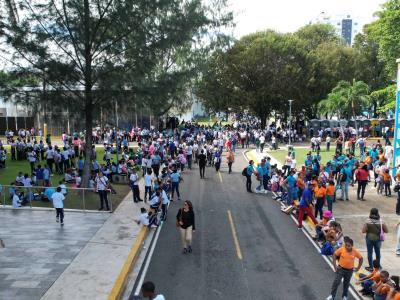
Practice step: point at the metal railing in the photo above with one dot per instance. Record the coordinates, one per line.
(85, 199)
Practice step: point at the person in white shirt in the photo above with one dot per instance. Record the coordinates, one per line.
(148, 291)
(58, 203)
(143, 218)
(262, 143)
(148, 180)
(101, 186)
(134, 184)
(15, 201)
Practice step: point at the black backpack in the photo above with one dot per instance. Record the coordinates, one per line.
(244, 172)
(343, 177)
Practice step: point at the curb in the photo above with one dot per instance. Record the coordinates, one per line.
(119, 284)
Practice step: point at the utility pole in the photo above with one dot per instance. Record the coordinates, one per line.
(290, 120)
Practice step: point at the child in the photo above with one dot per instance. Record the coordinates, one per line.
(63, 187)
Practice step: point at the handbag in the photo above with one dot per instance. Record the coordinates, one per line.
(382, 234)
(179, 219)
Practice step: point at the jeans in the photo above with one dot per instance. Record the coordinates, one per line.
(189, 160)
(259, 186)
(136, 193)
(60, 214)
(373, 245)
(318, 207)
(345, 190)
(329, 200)
(248, 183)
(147, 191)
(388, 192)
(290, 195)
(202, 169)
(103, 199)
(361, 188)
(346, 274)
(175, 187)
(265, 181)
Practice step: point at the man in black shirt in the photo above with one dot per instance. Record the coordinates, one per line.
(202, 158)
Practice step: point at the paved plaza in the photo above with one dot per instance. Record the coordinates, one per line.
(38, 249)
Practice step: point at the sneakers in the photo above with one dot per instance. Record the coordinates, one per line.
(344, 298)
(57, 220)
(190, 249)
(184, 251)
(329, 297)
(62, 223)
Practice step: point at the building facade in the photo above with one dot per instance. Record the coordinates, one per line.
(346, 26)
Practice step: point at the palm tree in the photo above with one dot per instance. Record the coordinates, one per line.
(346, 99)
(355, 96)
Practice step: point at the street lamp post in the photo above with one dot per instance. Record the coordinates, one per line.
(396, 141)
(290, 120)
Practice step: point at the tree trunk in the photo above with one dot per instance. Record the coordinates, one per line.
(88, 98)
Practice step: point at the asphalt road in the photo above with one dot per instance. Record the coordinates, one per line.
(279, 262)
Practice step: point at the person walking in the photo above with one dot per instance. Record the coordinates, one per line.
(345, 268)
(101, 187)
(230, 158)
(374, 229)
(175, 180)
(304, 206)
(58, 203)
(202, 160)
(134, 184)
(361, 175)
(217, 160)
(185, 223)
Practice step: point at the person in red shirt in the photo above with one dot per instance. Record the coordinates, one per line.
(362, 175)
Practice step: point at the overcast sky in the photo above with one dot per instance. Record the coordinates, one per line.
(289, 15)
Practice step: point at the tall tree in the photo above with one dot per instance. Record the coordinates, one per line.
(80, 46)
(386, 32)
(259, 73)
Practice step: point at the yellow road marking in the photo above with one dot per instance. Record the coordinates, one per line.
(235, 238)
(116, 291)
(220, 176)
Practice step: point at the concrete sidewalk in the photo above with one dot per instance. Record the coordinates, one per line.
(93, 272)
(354, 213)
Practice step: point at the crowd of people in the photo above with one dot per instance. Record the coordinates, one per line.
(161, 157)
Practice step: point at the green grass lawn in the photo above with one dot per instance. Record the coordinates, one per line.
(301, 154)
(74, 198)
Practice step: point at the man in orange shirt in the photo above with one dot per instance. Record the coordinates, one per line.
(344, 270)
(382, 288)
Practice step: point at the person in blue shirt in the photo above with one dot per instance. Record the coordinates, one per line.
(175, 180)
(260, 177)
(249, 172)
(266, 165)
(344, 180)
(304, 206)
(290, 183)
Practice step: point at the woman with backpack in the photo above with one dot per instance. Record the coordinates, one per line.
(374, 229)
(185, 223)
